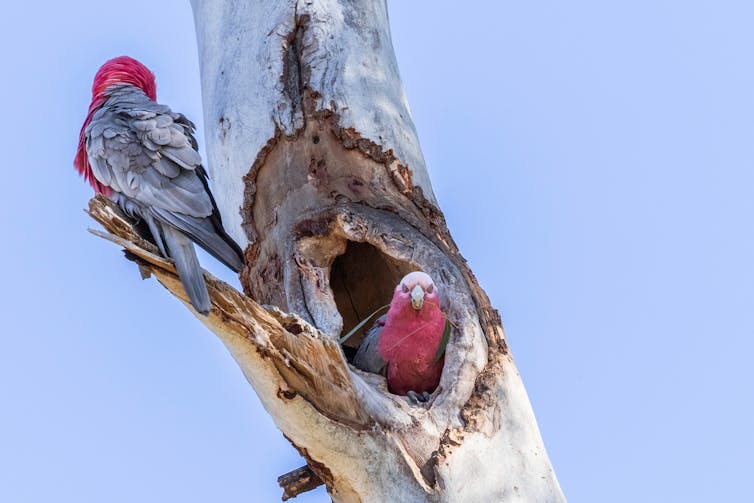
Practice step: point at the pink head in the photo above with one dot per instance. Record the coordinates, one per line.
(120, 70)
(418, 291)
(124, 70)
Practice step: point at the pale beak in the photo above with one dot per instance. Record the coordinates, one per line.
(417, 297)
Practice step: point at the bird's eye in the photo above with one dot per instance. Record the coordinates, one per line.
(430, 288)
(404, 288)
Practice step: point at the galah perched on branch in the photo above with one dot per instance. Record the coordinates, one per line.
(144, 157)
(408, 343)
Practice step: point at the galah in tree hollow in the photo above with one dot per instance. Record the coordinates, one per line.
(143, 156)
(407, 344)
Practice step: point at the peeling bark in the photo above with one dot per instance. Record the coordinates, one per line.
(318, 173)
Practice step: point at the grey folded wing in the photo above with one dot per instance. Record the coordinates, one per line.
(368, 357)
(147, 154)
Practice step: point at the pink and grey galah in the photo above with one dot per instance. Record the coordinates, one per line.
(143, 156)
(407, 344)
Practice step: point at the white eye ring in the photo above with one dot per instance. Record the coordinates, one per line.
(430, 288)
(404, 288)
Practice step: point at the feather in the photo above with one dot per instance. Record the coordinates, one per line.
(186, 157)
(160, 136)
(156, 234)
(368, 357)
(146, 155)
(166, 167)
(205, 234)
(408, 343)
(181, 250)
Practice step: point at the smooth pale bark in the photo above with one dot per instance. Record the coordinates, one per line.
(252, 83)
(318, 173)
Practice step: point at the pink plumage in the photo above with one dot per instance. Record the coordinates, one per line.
(120, 70)
(411, 335)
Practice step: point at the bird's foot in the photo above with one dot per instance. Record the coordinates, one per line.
(418, 398)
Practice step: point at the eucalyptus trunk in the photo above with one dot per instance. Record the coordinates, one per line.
(318, 173)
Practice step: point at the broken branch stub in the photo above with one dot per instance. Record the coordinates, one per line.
(299, 372)
(298, 481)
(318, 172)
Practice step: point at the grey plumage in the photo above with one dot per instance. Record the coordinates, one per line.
(147, 155)
(368, 357)
(181, 250)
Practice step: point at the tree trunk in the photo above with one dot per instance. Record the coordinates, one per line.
(318, 173)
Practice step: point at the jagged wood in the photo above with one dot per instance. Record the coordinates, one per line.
(318, 174)
(310, 362)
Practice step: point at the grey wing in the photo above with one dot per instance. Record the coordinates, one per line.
(368, 357)
(137, 148)
(147, 155)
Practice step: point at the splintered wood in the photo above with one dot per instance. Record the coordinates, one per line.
(310, 363)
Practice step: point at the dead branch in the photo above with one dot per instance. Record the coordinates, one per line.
(298, 481)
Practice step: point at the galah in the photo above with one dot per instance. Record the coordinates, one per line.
(407, 344)
(143, 156)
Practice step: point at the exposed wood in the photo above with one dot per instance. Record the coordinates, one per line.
(318, 173)
(299, 373)
(298, 481)
(308, 362)
(258, 57)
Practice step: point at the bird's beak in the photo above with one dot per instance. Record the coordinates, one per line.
(417, 297)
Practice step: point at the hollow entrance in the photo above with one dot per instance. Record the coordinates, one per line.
(363, 279)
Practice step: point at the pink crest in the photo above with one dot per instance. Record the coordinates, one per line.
(120, 70)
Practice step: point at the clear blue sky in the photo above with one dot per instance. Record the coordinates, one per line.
(594, 161)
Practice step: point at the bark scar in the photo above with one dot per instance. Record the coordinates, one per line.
(296, 73)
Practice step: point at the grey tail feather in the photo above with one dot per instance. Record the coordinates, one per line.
(181, 250)
(204, 232)
(233, 256)
(154, 228)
